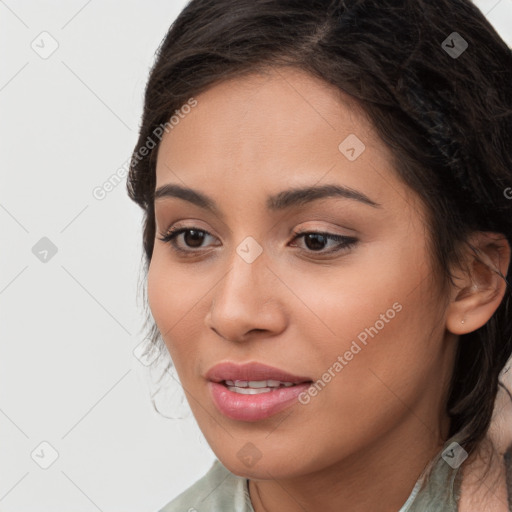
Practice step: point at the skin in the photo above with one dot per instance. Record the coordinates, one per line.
(365, 438)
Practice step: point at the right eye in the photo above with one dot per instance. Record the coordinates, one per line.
(194, 239)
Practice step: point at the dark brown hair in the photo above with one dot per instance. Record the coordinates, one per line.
(446, 118)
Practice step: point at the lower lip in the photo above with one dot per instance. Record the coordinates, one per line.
(254, 407)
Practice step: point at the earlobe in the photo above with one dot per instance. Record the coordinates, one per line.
(480, 286)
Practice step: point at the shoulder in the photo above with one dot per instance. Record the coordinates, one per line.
(484, 485)
(218, 489)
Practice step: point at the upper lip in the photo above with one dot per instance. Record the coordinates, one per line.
(250, 372)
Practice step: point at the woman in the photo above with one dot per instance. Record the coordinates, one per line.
(327, 232)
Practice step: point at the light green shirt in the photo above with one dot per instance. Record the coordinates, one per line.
(219, 490)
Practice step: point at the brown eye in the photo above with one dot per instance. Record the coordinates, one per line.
(193, 238)
(317, 241)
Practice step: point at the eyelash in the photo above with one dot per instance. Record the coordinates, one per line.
(345, 242)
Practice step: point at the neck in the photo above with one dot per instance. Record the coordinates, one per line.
(384, 472)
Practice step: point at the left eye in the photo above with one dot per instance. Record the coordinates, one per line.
(315, 241)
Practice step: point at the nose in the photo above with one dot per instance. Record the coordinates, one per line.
(247, 301)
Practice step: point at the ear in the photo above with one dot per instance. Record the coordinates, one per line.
(479, 285)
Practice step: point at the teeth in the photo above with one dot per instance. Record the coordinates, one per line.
(258, 384)
(238, 383)
(249, 391)
(254, 387)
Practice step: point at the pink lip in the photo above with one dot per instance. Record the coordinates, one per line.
(253, 407)
(251, 371)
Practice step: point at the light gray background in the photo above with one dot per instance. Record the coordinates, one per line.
(69, 325)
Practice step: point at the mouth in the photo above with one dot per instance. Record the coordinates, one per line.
(255, 387)
(253, 391)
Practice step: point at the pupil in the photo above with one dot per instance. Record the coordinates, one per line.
(314, 237)
(198, 238)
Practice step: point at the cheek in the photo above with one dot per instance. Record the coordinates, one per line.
(378, 318)
(174, 302)
(377, 291)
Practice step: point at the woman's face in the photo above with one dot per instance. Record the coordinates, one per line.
(359, 319)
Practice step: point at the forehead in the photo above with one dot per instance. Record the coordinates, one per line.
(274, 129)
(268, 113)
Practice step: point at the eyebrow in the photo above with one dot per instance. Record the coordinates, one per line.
(283, 200)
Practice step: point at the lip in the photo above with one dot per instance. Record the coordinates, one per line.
(251, 371)
(257, 407)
